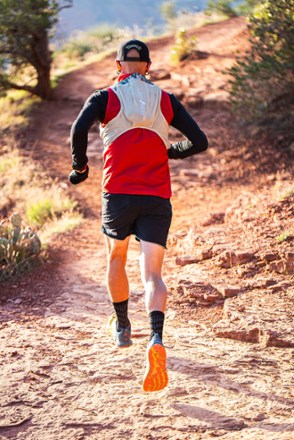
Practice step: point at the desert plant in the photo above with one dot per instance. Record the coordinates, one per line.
(284, 236)
(183, 48)
(262, 83)
(18, 246)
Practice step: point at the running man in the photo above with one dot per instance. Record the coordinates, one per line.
(134, 116)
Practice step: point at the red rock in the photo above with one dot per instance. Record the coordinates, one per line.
(229, 259)
(289, 257)
(285, 265)
(229, 292)
(270, 256)
(270, 338)
(240, 334)
(214, 218)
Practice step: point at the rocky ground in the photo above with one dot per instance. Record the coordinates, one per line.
(229, 268)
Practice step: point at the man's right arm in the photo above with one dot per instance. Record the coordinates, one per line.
(195, 142)
(93, 111)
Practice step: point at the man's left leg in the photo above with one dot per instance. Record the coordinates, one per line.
(151, 260)
(118, 288)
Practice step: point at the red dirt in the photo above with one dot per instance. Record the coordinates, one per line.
(228, 327)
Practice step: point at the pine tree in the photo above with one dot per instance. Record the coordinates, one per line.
(25, 57)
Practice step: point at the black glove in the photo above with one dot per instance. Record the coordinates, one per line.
(76, 177)
(171, 153)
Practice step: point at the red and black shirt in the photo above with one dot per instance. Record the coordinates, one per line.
(136, 162)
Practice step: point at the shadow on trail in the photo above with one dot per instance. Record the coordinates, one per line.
(213, 418)
(220, 421)
(31, 296)
(212, 374)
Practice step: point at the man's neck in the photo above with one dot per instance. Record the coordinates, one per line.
(123, 76)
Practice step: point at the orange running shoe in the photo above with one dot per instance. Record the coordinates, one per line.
(155, 378)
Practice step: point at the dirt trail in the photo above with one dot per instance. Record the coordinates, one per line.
(61, 376)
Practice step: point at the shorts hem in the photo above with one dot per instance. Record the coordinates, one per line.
(115, 237)
(150, 241)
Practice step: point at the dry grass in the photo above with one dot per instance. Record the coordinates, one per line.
(43, 203)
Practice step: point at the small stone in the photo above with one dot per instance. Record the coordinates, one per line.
(215, 218)
(211, 297)
(183, 261)
(244, 257)
(259, 417)
(277, 266)
(289, 257)
(189, 173)
(229, 292)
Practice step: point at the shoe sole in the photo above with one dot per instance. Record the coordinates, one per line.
(156, 375)
(124, 345)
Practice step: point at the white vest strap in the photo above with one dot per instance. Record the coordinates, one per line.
(140, 107)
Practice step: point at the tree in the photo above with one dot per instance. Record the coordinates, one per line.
(25, 57)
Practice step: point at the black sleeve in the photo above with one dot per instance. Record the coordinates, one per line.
(93, 111)
(196, 141)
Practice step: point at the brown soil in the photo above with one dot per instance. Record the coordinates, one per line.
(229, 324)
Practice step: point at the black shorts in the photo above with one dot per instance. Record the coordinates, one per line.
(147, 217)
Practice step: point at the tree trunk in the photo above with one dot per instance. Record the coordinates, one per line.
(43, 88)
(42, 64)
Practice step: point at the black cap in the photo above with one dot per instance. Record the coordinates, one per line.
(122, 53)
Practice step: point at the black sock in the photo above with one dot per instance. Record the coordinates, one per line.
(121, 311)
(156, 323)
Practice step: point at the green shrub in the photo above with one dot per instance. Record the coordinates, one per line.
(285, 236)
(38, 212)
(52, 204)
(247, 7)
(77, 48)
(262, 86)
(93, 41)
(183, 48)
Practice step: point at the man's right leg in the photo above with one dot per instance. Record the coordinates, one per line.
(118, 289)
(151, 260)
